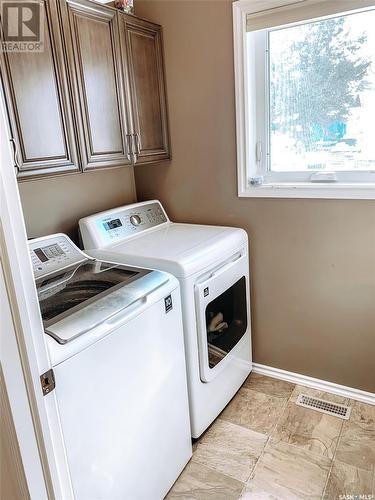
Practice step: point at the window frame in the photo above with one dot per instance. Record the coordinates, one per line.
(252, 124)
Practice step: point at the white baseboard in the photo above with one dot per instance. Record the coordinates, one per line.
(315, 383)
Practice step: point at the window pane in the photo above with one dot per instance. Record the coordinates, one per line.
(322, 95)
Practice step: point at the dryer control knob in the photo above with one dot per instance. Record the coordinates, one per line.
(135, 220)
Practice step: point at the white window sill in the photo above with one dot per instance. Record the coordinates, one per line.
(308, 190)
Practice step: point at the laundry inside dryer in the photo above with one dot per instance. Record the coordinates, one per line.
(226, 321)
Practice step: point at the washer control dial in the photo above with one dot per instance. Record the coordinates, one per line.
(135, 220)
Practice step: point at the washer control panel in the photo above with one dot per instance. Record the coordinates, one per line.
(52, 253)
(121, 224)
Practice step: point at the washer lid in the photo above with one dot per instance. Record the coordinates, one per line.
(181, 249)
(85, 295)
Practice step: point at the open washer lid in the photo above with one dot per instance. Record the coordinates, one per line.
(77, 293)
(90, 293)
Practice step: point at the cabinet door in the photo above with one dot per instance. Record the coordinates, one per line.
(94, 55)
(142, 54)
(39, 103)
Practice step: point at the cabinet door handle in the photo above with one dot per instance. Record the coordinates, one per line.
(129, 147)
(133, 148)
(15, 153)
(138, 144)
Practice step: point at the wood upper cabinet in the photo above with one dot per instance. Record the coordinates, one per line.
(39, 104)
(142, 55)
(93, 98)
(94, 57)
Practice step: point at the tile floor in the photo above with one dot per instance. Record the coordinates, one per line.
(264, 446)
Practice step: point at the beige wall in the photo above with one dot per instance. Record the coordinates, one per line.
(56, 204)
(312, 261)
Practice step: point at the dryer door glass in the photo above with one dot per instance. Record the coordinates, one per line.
(226, 321)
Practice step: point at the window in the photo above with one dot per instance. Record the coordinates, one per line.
(305, 99)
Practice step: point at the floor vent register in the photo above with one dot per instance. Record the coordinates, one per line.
(328, 407)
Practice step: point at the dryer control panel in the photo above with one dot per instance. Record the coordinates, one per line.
(118, 224)
(52, 253)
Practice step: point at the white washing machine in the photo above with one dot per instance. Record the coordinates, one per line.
(118, 379)
(211, 264)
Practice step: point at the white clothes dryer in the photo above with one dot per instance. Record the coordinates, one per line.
(211, 263)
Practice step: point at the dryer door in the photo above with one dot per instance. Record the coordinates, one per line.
(221, 300)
